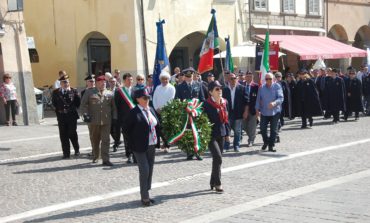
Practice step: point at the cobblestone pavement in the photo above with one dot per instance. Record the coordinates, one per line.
(37, 186)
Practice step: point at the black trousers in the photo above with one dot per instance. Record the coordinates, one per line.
(145, 162)
(304, 120)
(10, 106)
(128, 149)
(115, 132)
(68, 132)
(216, 147)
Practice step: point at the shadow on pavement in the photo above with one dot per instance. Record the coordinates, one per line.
(118, 207)
(60, 168)
(5, 149)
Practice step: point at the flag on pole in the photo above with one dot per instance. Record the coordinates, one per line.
(209, 44)
(161, 62)
(265, 65)
(229, 63)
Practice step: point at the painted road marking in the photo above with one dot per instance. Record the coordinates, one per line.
(36, 138)
(261, 202)
(115, 194)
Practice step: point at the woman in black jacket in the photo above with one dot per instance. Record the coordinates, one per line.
(216, 109)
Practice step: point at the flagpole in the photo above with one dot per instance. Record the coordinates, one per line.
(222, 66)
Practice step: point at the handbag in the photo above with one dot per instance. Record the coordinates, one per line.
(18, 109)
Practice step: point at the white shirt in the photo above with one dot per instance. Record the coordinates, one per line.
(57, 84)
(360, 75)
(232, 95)
(153, 122)
(163, 95)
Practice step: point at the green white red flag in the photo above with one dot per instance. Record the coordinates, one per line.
(265, 65)
(209, 45)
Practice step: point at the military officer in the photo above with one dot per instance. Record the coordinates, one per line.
(90, 83)
(98, 110)
(190, 89)
(66, 102)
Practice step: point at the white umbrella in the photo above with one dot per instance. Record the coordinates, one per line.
(246, 49)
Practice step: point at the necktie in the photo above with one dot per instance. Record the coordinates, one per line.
(151, 127)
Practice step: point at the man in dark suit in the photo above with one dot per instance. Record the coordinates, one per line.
(124, 103)
(142, 128)
(250, 123)
(66, 102)
(237, 100)
(190, 89)
(334, 95)
(354, 95)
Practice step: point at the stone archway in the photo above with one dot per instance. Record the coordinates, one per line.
(186, 51)
(337, 32)
(362, 41)
(94, 55)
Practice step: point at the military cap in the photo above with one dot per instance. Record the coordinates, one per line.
(304, 71)
(189, 71)
(90, 77)
(210, 75)
(64, 78)
(100, 78)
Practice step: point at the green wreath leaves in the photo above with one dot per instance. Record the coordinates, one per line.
(174, 117)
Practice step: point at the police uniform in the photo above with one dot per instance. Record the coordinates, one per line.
(99, 108)
(66, 102)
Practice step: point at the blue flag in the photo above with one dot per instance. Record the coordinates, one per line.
(161, 59)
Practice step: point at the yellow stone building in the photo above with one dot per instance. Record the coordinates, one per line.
(87, 36)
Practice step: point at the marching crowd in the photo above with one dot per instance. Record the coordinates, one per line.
(112, 106)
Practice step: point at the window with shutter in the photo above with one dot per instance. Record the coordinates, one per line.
(260, 5)
(288, 6)
(314, 7)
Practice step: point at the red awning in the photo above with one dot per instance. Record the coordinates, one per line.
(315, 47)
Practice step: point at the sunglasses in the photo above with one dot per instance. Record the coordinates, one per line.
(140, 79)
(268, 79)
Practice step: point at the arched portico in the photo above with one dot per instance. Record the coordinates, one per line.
(94, 56)
(337, 32)
(362, 41)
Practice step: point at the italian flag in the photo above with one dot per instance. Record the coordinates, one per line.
(208, 47)
(265, 65)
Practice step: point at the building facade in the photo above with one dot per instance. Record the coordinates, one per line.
(349, 22)
(14, 59)
(90, 36)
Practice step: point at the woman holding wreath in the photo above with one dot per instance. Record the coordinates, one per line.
(216, 109)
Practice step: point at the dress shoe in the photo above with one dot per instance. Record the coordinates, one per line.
(107, 163)
(277, 139)
(15, 124)
(198, 157)
(7, 124)
(190, 157)
(115, 148)
(264, 146)
(152, 200)
(130, 160)
(145, 203)
(271, 149)
(94, 160)
(77, 154)
(65, 157)
(219, 189)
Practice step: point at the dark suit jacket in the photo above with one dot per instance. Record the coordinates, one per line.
(334, 94)
(122, 107)
(137, 129)
(218, 129)
(354, 94)
(240, 101)
(195, 91)
(252, 97)
(66, 105)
